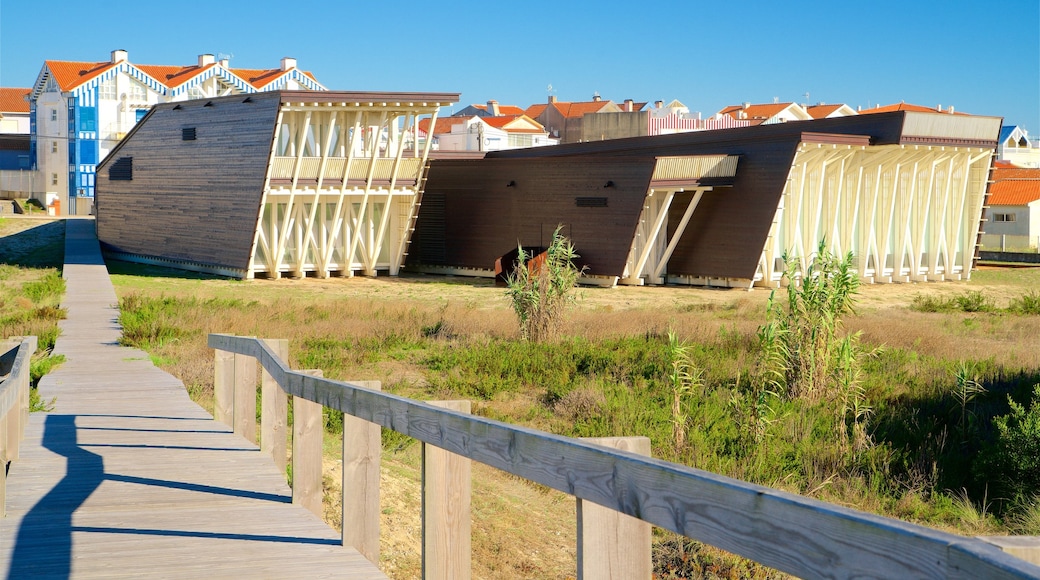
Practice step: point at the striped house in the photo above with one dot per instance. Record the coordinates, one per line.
(79, 111)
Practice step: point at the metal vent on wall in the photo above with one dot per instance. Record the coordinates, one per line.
(188, 134)
(590, 201)
(122, 169)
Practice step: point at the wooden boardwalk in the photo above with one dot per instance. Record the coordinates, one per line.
(127, 477)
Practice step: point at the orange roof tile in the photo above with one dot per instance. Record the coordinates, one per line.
(503, 109)
(1002, 173)
(1002, 164)
(906, 107)
(1014, 191)
(529, 125)
(577, 110)
(70, 75)
(755, 111)
(821, 111)
(443, 125)
(13, 100)
(172, 76)
(534, 110)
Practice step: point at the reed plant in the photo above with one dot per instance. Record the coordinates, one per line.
(541, 289)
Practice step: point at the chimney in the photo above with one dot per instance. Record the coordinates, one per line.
(628, 105)
(224, 62)
(118, 55)
(951, 109)
(859, 108)
(745, 105)
(205, 59)
(939, 107)
(595, 97)
(658, 104)
(552, 99)
(288, 63)
(492, 108)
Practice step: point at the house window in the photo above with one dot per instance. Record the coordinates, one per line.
(54, 146)
(138, 91)
(122, 169)
(54, 115)
(107, 89)
(195, 93)
(1004, 217)
(54, 179)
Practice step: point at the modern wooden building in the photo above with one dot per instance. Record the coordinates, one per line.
(269, 184)
(903, 191)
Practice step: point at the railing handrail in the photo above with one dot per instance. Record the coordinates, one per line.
(792, 533)
(19, 364)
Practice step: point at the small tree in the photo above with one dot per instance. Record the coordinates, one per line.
(541, 290)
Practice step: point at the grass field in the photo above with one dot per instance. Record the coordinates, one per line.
(944, 359)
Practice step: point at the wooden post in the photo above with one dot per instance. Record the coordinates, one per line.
(612, 545)
(274, 409)
(224, 387)
(446, 523)
(362, 446)
(3, 465)
(308, 430)
(245, 397)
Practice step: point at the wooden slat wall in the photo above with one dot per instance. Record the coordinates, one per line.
(194, 201)
(482, 217)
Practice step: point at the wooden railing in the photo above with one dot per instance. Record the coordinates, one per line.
(791, 533)
(15, 357)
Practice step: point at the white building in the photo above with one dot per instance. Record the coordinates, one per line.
(79, 111)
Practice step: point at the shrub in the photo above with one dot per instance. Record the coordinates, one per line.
(540, 292)
(1013, 460)
(974, 301)
(1027, 304)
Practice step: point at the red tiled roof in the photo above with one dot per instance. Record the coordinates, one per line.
(906, 107)
(534, 110)
(70, 75)
(1002, 173)
(13, 100)
(755, 111)
(172, 76)
(1014, 192)
(821, 111)
(443, 125)
(577, 110)
(503, 121)
(1002, 164)
(503, 109)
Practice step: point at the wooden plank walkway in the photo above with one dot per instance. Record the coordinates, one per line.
(127, 477)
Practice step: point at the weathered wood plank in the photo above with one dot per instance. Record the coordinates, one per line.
(308, 430)
(362, 451)
(446, 523)
(274, 412)
(612, 545)
(224, 387)
(737, 516)
(245, 397)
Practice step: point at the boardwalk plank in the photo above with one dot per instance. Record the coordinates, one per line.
(128, 477)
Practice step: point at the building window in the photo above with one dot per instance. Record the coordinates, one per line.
(188, 134)
(195, 93)
(54, 146)
(122, 169)
(54, 179)
(107, 89)
(521, 140)
(54, 115)
(138, 92)
(1004, 217)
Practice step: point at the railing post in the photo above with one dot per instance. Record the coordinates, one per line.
(224, 387)
(446, 524)
(1024, 547)
(362, 446)
(245, 397)
(612, 545)
(274, 409)
(308, 430)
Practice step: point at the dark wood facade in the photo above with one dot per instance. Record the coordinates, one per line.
(482, 217)
(191, 200)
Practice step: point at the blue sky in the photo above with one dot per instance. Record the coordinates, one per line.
(980, 57)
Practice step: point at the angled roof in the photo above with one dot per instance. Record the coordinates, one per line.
(576, 110)
(907, 107)
(70, 74)
(535, 110)
(1001, 173)
(443, 124)
(514, 123)
(173, 76)
(762, 112)
(13, 100)
(502, 109)
(1015, 191)
(821, 111)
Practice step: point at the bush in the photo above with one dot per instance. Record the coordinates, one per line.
(1012, 463)
(1027, 304)
(541, 291)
